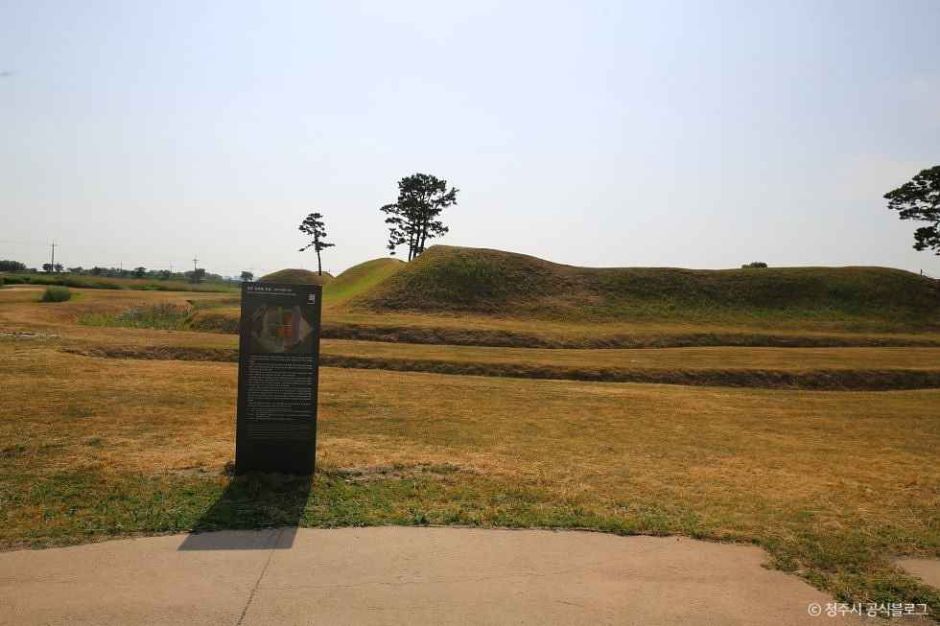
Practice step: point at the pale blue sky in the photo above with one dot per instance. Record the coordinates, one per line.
(696, 134)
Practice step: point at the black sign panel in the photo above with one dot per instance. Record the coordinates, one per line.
(279, 354)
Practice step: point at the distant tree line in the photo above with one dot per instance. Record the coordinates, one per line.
(7, 265)
(197, 275)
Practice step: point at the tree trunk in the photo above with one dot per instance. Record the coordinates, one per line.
(319, 265)
(424, 234)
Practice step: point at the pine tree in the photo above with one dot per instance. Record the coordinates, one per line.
(313, 225)
(415, 217)
(919, 200)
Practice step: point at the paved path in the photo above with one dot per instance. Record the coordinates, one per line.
(928, 570)
(401, 575)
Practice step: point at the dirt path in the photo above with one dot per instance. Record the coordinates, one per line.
(395, 575)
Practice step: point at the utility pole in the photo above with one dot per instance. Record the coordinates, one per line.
(53, 256)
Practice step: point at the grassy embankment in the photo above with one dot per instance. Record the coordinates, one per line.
(483, 297)
(337, 291)
(149, 328)
(472, 281)
(299, 276)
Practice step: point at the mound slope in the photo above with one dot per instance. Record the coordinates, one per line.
(361, 278)
(474, 280)
(293, 276)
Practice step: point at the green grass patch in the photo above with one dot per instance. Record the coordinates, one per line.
(359, 279)
(449, 279)
(163, 316)
(56, 294)
(296, 276)
(69, 507)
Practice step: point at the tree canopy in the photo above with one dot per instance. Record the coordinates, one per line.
(414, 218)
(6, 265)
(919, 200)
(314, 226)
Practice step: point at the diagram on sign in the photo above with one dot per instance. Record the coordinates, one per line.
(279, 329)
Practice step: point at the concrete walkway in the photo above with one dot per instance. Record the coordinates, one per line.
(402, 575)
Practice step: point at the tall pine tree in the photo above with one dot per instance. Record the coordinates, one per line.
(415, 217)
(919, 200)
(313, 225)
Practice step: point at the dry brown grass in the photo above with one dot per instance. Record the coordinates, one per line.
(833, 484)
(709, 372)
(496, 330)
(829, 452)
(667, 358)
(20, 312)
(17, 312)
(806, 368)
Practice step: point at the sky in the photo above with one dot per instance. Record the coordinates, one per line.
(681, 134)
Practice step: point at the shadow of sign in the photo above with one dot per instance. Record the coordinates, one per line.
(255, 512)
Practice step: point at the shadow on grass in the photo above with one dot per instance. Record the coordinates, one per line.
(255, 512)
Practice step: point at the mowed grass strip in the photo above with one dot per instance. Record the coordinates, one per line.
(805, 368)
(825, 369)
(666, 358)
(836, 379)
(802, 368)
(833, 485)
(216, 313)
(470, 330)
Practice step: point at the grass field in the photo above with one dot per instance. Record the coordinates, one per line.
(125, 325)
(871, 369)
(85, 281)
(834, 484)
